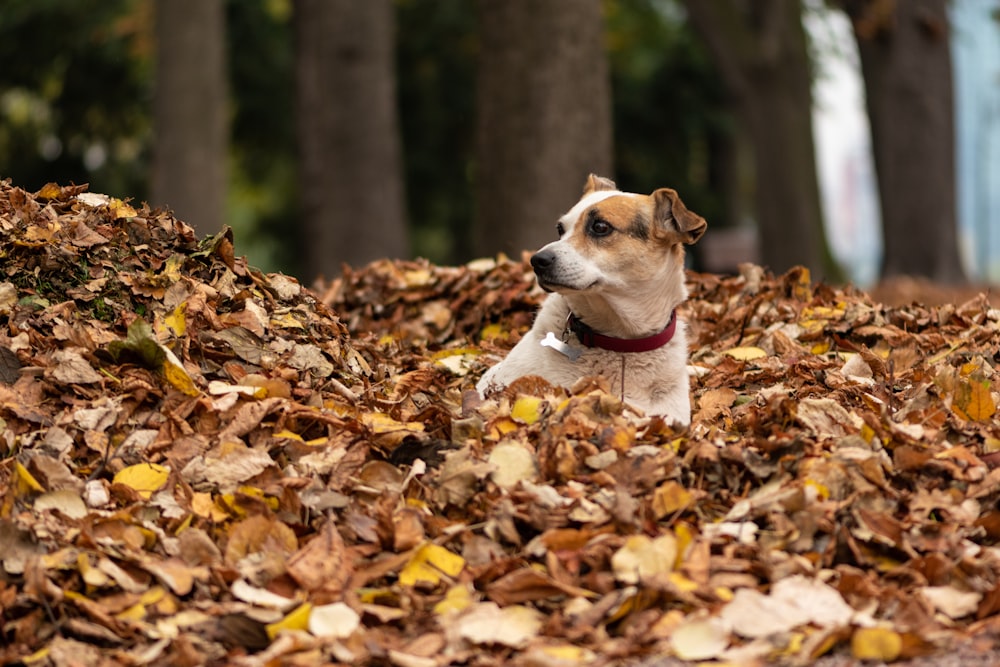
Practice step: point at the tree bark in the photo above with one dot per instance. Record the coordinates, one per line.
(906, 63)
(759, 47)
(543, 118)
(351, 175)
(189, 112)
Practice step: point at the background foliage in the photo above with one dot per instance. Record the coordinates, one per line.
(76, 108)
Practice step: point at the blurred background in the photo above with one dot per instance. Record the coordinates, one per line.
(860, 138)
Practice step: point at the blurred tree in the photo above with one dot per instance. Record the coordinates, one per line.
(543, 117)
(190, 114)
(906, 64)
(74, 105)
(761, 51)
(350, 174)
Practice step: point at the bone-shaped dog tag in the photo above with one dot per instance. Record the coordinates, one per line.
(561, 347)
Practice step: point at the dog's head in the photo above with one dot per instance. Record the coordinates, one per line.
(614, 241)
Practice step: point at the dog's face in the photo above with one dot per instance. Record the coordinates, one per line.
(613, 241)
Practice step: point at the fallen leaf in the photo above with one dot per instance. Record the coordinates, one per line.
(642, 558)
(337, 621)
(428, 564)
(144, 478)
(486, 623)
(880, 644)
(700, 638)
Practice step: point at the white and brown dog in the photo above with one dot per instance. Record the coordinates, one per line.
(616, 275)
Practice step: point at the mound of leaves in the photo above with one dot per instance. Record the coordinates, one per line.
(203, 464)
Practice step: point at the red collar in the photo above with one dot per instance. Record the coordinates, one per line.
(591, 338)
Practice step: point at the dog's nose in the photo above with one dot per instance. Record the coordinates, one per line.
(542, 260)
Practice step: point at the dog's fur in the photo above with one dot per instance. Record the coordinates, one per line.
(618, 266)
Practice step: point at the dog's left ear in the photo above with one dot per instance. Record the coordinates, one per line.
(595, 183)
(670, 214)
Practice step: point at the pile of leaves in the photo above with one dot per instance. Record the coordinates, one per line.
(203, 464)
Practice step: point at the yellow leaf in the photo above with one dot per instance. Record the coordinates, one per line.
(682, 583)
(121, 210)
(427, 565)
(491, 331)
(37, 657)
(49, 191)
(144, 478)
(669, 498)
(26, 483)
(881, 644)
(173, 268)
(173, 371)
(821, 347)
(297, 619)
(153, 595)
(380, 423)
(260, 495)
(136, 612)
(205, 506)
(802, 287)
(527, 409)
(685, 537)
(502, 426)
(745, 353)
(456, 599)
(176, 321)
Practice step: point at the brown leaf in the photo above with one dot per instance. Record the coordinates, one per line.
(322, 562)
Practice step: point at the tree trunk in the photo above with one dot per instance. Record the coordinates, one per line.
(351, 176)
(760, 49)
(906, 63)
(543, 119)
(189, 112)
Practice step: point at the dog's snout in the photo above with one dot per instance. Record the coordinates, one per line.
(542, 260)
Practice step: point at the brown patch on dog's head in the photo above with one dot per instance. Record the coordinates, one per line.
(671, 217)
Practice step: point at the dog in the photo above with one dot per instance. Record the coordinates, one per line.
(615, 277)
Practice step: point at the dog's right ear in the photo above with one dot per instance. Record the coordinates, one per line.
(595, 183)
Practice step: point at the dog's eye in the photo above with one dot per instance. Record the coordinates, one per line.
(560, 229)
(601, 227)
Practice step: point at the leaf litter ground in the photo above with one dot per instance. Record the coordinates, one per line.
(203, 464)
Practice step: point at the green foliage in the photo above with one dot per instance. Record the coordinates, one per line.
(670, 115)
(76, 87)
(74, 93)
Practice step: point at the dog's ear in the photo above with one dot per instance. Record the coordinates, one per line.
(671, 214)
(595, 183)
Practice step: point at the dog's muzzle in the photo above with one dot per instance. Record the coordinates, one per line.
(542, 262)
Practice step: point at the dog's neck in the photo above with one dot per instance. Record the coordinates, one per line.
(636, 314)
